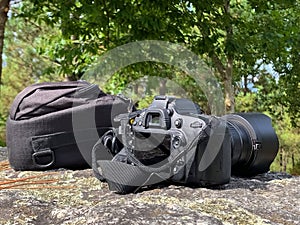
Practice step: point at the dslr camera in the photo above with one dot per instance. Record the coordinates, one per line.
(173, 140)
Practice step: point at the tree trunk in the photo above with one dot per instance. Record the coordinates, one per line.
(226, 69)
(136, 89)
(228, 81)
(228, 87)
(226, 78)
(246, 89)
(162, 86)
(4, 7)
(281, 159)
(284, 162)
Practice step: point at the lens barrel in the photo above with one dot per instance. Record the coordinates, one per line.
(254, 143)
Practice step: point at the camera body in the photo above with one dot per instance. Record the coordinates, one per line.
(175, 131)
(174, 140)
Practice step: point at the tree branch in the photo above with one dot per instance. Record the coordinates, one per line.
(219, 65)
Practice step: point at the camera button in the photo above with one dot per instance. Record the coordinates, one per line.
(196, 124)
(178, 123)
(170, 112)
(176, 142)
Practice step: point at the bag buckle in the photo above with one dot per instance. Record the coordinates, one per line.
(37, 158)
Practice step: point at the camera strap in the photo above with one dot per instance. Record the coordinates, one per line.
(125, 173)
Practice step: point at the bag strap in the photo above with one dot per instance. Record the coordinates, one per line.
(43, 146)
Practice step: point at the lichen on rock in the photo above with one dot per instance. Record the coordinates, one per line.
(77, 197)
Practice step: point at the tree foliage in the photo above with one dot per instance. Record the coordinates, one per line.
(232, 36)
(24, 64)
(251, 46)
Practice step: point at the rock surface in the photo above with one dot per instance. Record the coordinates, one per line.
(77, 197)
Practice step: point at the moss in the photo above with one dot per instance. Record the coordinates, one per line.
(221, 208)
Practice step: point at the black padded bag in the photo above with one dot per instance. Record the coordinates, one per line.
(55, 125)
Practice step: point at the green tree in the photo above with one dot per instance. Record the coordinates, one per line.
(23, 63)
(272, 40)
(265, 99)
(232, 36)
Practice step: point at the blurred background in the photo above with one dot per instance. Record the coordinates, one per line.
(251, 46)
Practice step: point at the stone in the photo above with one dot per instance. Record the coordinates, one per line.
(77, 197)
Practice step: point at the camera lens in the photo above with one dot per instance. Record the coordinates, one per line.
(254, 143)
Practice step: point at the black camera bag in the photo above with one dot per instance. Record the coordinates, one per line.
(40, 129)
